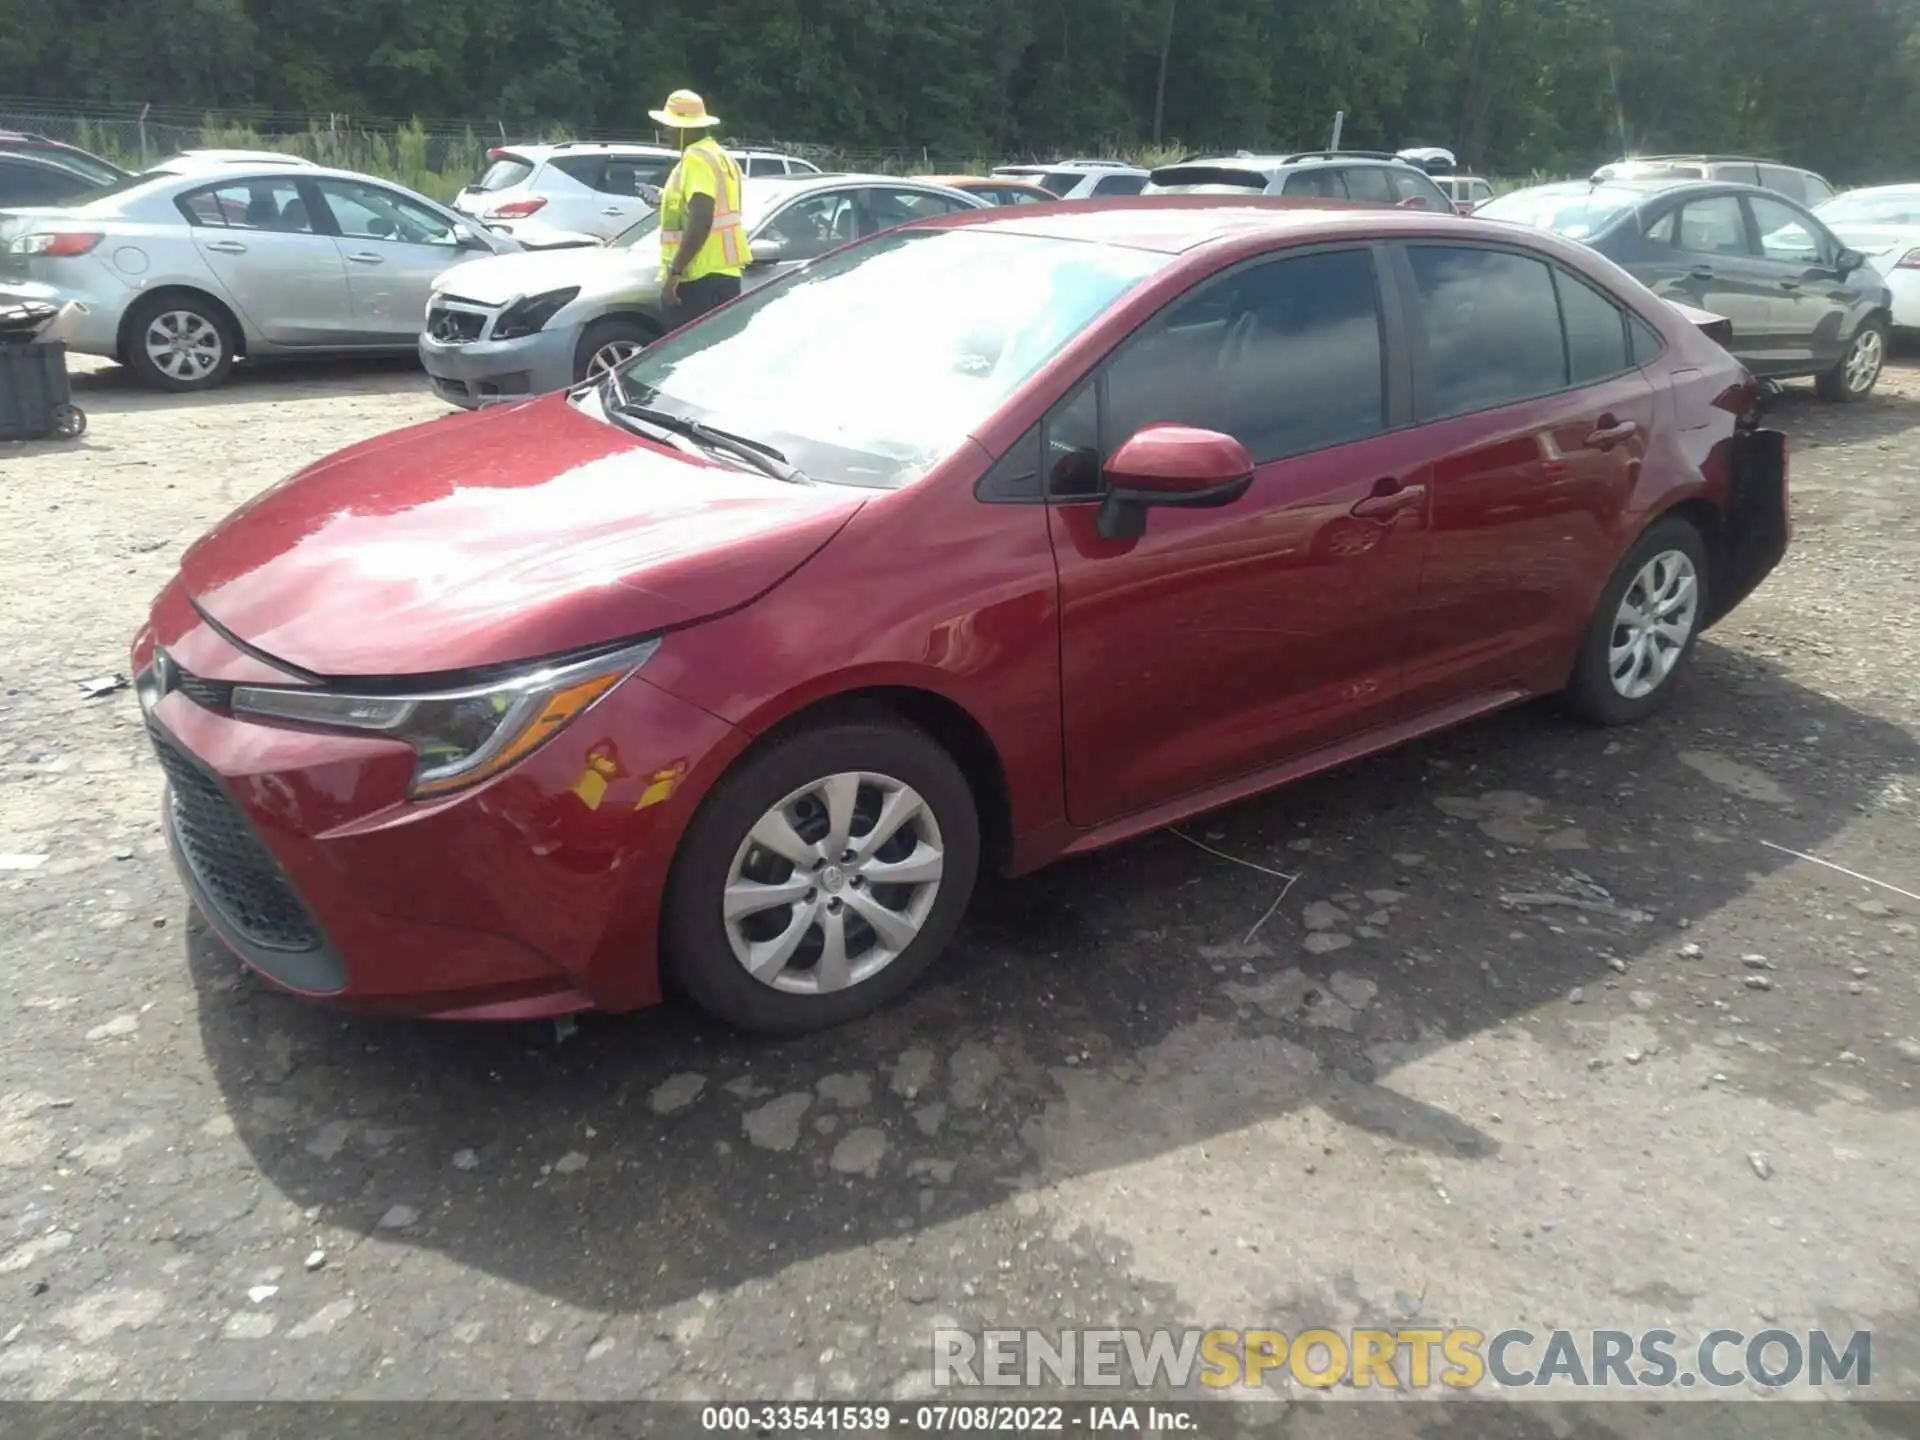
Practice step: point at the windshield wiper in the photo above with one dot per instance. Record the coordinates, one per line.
(764, 458)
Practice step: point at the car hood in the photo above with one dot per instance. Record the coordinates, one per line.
(500, 278)
(503, 535)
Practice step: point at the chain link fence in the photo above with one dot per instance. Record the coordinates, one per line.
(434, 157)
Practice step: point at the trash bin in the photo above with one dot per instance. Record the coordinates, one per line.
(36, 399)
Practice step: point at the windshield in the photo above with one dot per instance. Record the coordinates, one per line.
(869, 366)
(1576, 211)
(1900, 207)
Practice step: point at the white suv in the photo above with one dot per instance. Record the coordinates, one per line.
(587, 187)
(1081, 179)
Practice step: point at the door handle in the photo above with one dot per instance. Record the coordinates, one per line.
(613, 210)
(1789, 284)
(366, 257)
(1388, 499)
(227, 247)
(1611, 432)
(1700, 272)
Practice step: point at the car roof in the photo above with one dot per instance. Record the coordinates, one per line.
(1171, 224)
(547, 149)
(1052, 167)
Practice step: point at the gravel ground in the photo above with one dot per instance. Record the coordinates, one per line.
(1406, 1097)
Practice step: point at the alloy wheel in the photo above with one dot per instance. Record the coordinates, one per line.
(833, 883)
(184, 345)
(1869, 353)
(1653, 624)
(611, 355)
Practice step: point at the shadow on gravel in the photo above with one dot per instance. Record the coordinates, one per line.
(112, 390)
(1813, 421)
(1121, 972)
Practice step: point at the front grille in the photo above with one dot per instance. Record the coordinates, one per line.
(207, 694)
(228, 859)
(454, 327)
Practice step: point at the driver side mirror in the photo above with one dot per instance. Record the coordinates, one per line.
(467, 238)
(1848, 261)
(1173, 465)
(770, 250)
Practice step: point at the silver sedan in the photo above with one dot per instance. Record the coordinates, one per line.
(524, 324)
(178, 274)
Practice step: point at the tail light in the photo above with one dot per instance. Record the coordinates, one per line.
(67, 243)
(1909, 261)
(495, 154)
(516, 209)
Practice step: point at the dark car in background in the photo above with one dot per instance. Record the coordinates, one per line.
(55, 152)
(1799, 302)
(27, 180)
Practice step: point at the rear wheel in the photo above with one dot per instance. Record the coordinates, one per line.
(1643, 630)
(180, 342)
(610, 342)
(822, 877)
(1858, 370)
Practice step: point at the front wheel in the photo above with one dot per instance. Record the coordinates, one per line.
(822, 877)
(1643, 630)
(608, 343)
(1858, 370)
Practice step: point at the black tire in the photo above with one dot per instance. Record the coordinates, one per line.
(69, 422)
(694, 942)
(1592, 693)
(615, 329)
(1839, 384)
(143, 315)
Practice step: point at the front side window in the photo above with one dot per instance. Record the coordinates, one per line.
(1492, 326)
(1285, 356)
(1785, 234)
(813, 225)
(371, 212)
(249, 205)
(870, 366)
(1713, 226)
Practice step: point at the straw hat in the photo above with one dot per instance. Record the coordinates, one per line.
(685, 111)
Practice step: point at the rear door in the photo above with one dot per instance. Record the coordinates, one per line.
(262, 241)
(393, 248)
(1700, 252)
(1535, 421)
(886, 206)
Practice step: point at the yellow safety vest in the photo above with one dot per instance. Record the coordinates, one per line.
(725, 252)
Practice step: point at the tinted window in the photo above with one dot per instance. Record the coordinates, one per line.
(765, 165)
(629, 175)
(1744, 174)
(1059, 181)
(1596, 330)
(1493, 328)
(813, 225)
(249, 205)
(1120, 185)
(23, 184)
(372, 212)
(1784, 181)
(1070, 449)
(1368, 183)
(1714, 226)
(1320, 181)
(1785, 234)
(1285, 356)
(587, 169)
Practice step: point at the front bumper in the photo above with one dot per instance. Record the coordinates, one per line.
(534, 894)
(477, 372)
(1904, 285)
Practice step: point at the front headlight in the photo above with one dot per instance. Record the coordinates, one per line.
(460, 736)
(529, 316)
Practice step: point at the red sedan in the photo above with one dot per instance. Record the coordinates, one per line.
(985, 541)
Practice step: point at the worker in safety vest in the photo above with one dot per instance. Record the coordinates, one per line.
(703, 244)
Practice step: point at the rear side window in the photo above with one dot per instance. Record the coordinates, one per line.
(1646, 341)
(1782, 181)
(1492, 325)
(627, 174)
(589, 170)
(1120, 185)
(1716, 225)
(1059, 181)
(1320, 181)
(249, 205)
(1742, 174)
(505, 172)
(1818, 191)
(766, 165)
(1369, 184)
(1596, 331)
(1409, 184)
(1285, 356)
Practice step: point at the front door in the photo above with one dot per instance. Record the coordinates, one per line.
(1224, 641)
(393, 248)
(1811, 295)
(1537, 421)
(1701, 255)
(277, 268)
